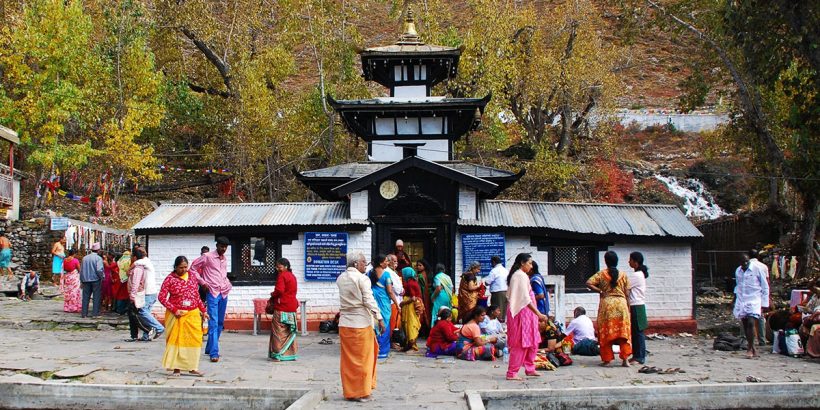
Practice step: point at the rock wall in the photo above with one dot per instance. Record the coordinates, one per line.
(31, 242)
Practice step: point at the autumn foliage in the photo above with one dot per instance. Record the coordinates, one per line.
(610, 183)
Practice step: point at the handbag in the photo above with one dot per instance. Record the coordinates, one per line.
(269, 306)
(139, 300)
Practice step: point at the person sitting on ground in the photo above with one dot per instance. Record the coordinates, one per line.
(476, 346)
(28, 286)
(443, 340)
(550, 335)
(491, 326)
(583, 334)
(810, 329)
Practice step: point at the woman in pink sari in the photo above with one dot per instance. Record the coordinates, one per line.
(523, 316)
(71, 283)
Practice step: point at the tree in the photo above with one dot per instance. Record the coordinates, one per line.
(49, 72)
(770, 49)
(549, 69)
(236, 55)
(133, 88)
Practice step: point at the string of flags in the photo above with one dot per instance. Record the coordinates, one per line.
(171, 168)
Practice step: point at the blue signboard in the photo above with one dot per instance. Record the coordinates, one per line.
(59, 224)
(325, 255)
(481, 247)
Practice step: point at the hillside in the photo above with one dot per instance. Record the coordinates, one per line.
(652, 69)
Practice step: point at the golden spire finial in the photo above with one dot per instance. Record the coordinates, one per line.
(410, 35)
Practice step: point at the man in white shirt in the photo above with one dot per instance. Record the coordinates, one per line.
(583, 334)
(497, 283)
(751, 297)
(764, 270)
(358, 311)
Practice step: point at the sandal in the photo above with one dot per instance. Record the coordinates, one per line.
(196, 373)
(215, 359)
(533, 374)
(323, 342)
(649, 370)
(515, 379)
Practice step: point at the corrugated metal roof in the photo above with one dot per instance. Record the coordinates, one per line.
(598, 219)
(9, 134)
(359, 169)
(256, 214)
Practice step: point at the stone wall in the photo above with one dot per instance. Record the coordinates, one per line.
(31, 242)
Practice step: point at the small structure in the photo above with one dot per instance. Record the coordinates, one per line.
(444, 210)
(9, 179)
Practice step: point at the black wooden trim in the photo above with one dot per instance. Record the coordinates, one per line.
(581, 236)
(480, 184)
(255, 229)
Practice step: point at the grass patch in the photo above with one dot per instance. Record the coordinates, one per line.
(46, 375)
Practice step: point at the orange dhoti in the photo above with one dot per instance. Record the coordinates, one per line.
(394, 317)
(358, 361)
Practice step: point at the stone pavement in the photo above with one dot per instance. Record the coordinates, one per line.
(39, 340)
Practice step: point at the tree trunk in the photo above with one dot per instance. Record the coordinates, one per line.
(565, 142)
(774, 193)
(808, 228)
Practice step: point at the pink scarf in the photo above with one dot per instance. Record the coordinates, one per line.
(518, 293)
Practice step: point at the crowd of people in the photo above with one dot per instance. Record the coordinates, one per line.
(388, 304)
(457, 322)
(194, 295)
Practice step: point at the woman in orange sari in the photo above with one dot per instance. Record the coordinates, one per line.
(469, 290)
(614, 326)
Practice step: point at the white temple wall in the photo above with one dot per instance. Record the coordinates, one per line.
(669, 286)
(432, 150)
(322, 297)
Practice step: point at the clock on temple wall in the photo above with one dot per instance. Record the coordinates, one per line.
(389, 189)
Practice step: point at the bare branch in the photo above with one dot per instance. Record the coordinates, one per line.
(209, 90)
(218, 63)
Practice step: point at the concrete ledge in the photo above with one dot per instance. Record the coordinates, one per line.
(309, 400)
(18, 395)
(702, 396)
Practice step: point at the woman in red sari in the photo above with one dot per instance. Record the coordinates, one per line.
(119, 290)
(71, 283)
(614, 325)
(282, 345)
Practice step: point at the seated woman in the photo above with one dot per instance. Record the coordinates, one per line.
(550, 336)
(476, 346)
(810, 330)
(443, 340)
(491, 325)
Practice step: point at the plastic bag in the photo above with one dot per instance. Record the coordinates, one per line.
(794, 345)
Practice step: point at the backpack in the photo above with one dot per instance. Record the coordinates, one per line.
(564, 359)
(727, 342)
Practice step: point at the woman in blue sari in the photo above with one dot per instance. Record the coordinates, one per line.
(442, 293)
(539, 287)
(383, 293)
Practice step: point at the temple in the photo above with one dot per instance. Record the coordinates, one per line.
(444, 210)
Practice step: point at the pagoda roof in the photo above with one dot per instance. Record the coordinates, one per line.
(464, 114)
(414, 50)
(400, 103)
(323, 181)
(473, 181)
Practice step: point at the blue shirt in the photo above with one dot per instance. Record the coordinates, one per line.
(540, 288)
